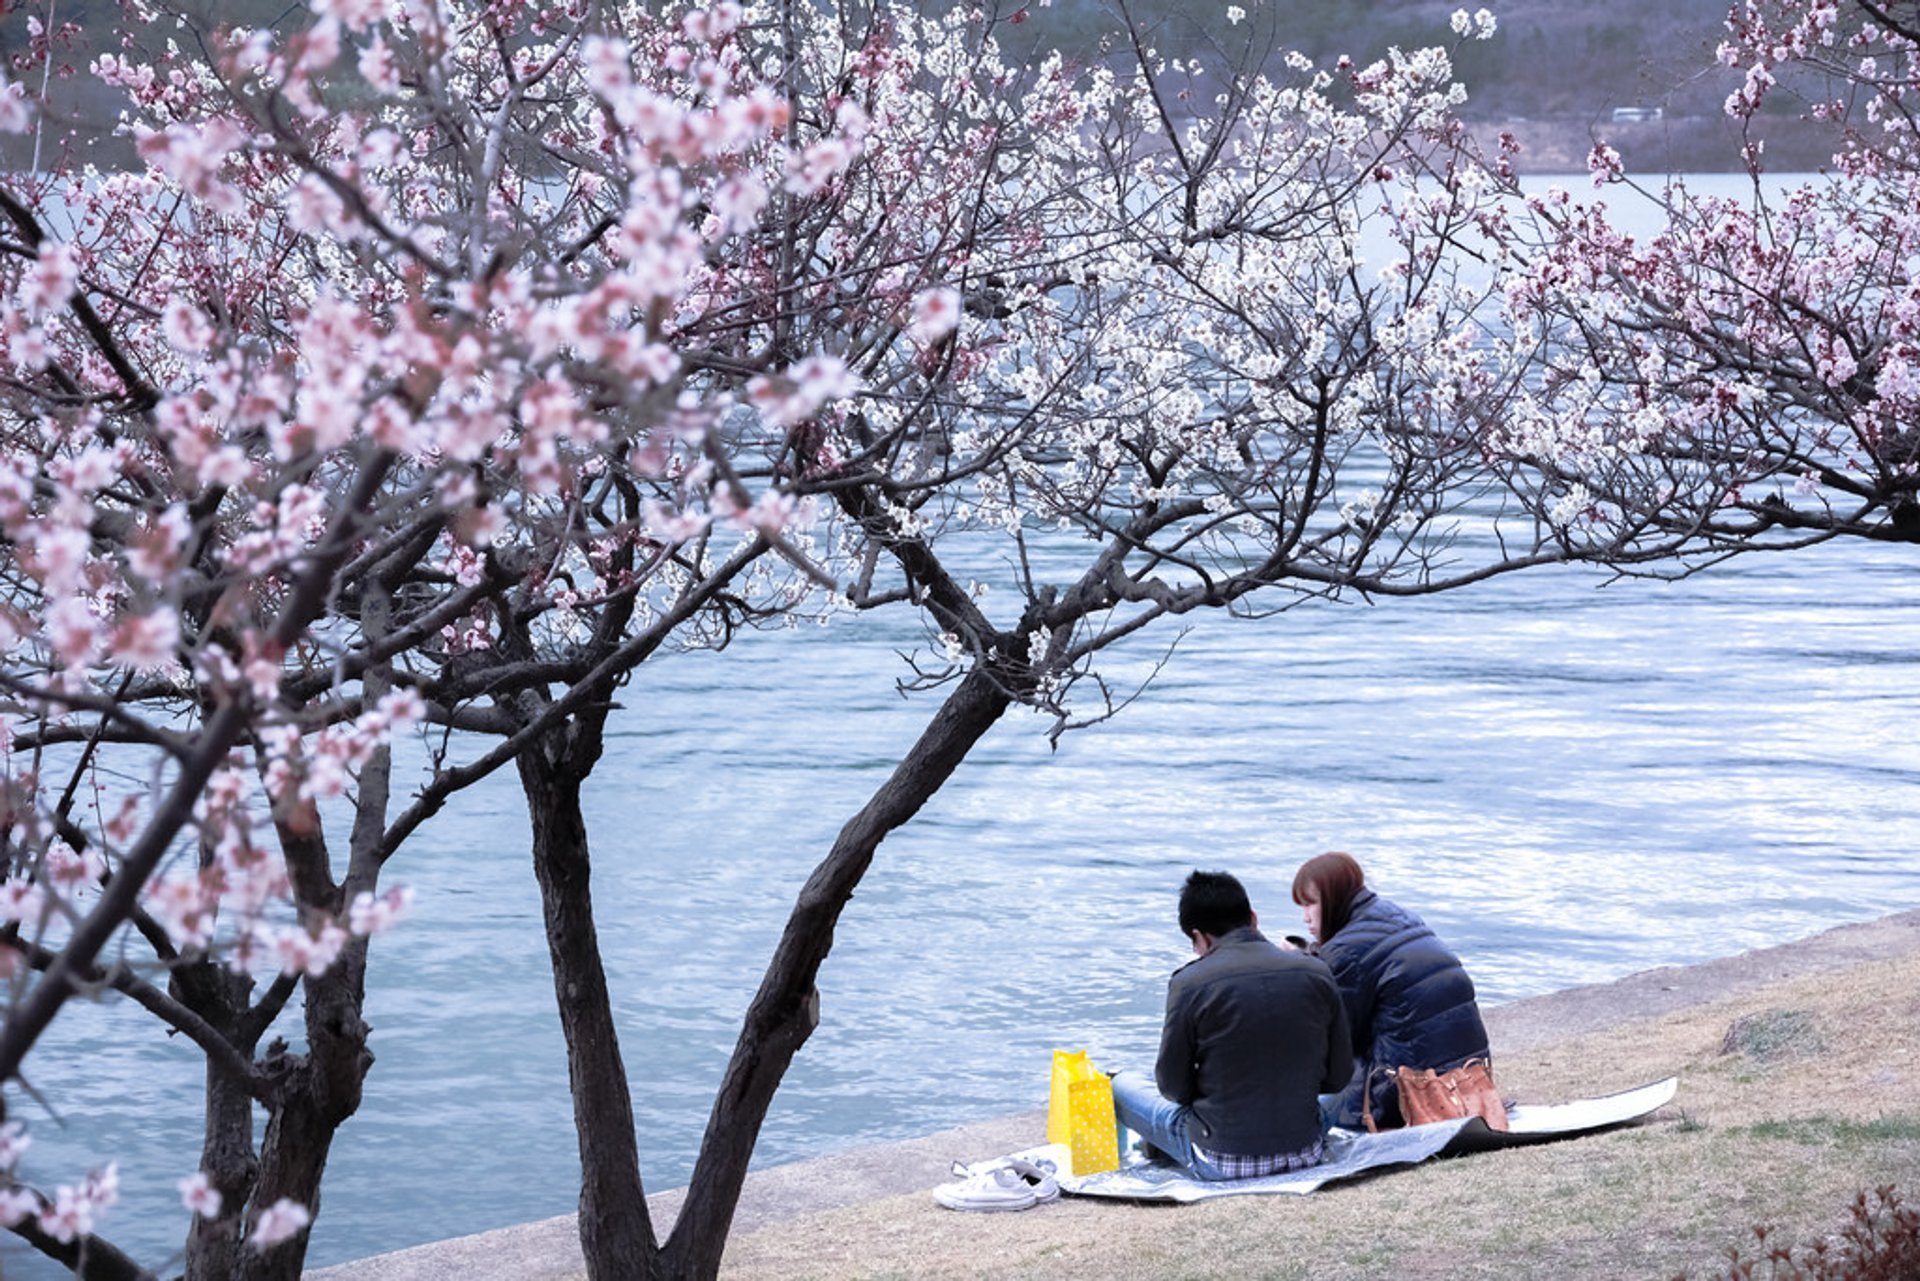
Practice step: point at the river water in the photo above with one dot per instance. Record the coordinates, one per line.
(1571, 778)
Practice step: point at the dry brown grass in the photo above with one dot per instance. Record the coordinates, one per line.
(1814, 1098)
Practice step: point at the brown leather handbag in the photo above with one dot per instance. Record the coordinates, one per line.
(1426, 1095)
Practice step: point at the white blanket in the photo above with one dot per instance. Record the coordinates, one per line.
(1349, 1154)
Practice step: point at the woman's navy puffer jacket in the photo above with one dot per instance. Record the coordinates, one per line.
(1409, 1000)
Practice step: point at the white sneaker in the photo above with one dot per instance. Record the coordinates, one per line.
(1038, 1174)
(999, 1188)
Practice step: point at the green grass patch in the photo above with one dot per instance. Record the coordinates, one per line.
(1773, 1035)
(1826, 1130)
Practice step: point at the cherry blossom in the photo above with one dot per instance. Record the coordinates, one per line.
(279, 1223)
(199, 1196)
(936, 313)
(17, 1205)
(75, 1208)
(371, 915)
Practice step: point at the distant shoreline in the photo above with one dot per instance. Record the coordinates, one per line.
(1672, 144)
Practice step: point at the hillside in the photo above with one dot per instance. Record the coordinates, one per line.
(1555, 72)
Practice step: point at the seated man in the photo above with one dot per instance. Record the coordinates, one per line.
(1254, 1034)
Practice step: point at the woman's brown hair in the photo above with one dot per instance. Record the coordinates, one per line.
(1336, 879)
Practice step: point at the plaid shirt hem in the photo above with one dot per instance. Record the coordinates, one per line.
(1233, 1165)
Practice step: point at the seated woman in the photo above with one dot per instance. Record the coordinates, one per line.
(1409, 1001)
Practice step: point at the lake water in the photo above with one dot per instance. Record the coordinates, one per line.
(1572, 780)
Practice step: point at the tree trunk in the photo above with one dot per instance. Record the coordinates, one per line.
(616, 1232)
(314, 1094)
(226, 1154)
(787, 1007)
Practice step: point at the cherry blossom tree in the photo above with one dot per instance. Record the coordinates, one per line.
(333, 420)
(1746, 374)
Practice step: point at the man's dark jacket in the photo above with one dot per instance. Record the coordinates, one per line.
(1409, 1000)
(1253, 1033)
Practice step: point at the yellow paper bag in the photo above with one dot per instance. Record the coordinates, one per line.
(1068, 1066)
(1080, 1114)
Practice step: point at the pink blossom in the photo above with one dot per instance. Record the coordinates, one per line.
(51, 280)
(1603, 162)
(1898, 380)
(16, 113)
(723, 19)
(605, 64)
(125, 822)
(402, 709)
(354, 15)
(29, 350)
(300, 952)
(60, 554)
(314, 207)
(21, 900)
(824, 378)
(479, 527)
(851, 119)
(17, 1205)
(199, 1196)
(158, 542)
(378, 67)
(771, 513)
(388, 424)
(183, 909)
(281, 1221)
(186, 327)
(73, 631)
(70, 869)
(737, 202)
(369, 915)
(223, 468)
(935, 315)
(809, 171)
(669, 525)
(647, 363)
(193, 154)
(147, 642)
(73, 1211)
(90, 471)
(261, 667)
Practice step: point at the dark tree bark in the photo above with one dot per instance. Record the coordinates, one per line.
(787, 1007)
(312, 1095)
(617, 1240)
(226, 1154)
(616, 1232)
(89, 1259)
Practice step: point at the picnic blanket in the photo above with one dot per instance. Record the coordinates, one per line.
(1350, 1154)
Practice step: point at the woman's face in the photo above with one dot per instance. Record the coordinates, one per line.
(1310, 910)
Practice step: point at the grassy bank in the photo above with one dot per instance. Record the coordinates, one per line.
(1792, 1099)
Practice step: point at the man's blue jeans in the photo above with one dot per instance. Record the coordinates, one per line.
(1342, 1108)
(1138, 1105)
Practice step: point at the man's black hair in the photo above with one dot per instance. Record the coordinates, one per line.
(1213, 903)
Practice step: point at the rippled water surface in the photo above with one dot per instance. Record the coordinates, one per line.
(1571, 781)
